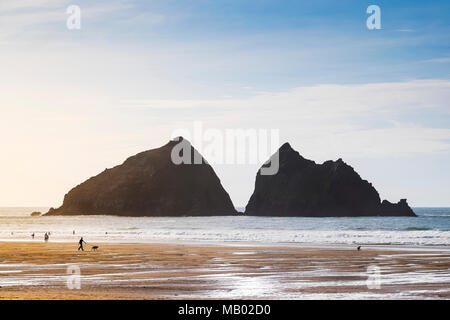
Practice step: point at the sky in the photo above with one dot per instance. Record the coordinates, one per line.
(76, 101)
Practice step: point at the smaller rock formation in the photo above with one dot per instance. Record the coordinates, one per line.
(35, 214)
(400, 208)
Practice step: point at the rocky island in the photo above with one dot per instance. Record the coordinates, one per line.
(303, 188)
(150, 184)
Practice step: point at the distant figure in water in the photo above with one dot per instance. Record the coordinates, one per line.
(81, 244)
(46, 237)
(359, 248)
(32, 235)
(73, 232)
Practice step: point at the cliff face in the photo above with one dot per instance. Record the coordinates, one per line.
(150, 184)
(303, 188)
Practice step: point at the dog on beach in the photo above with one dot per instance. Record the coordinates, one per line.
(94, 248)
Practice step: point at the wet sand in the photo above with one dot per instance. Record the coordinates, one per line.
(174, 271)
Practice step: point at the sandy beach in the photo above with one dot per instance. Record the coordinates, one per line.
(175, 271)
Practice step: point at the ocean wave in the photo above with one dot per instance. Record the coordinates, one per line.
(416, 229)
(437, 215)
(367, 230)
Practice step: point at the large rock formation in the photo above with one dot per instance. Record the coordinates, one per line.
(150, 184)
(303, 188)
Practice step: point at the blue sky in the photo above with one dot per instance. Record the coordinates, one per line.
(292, 42)
(376, 98)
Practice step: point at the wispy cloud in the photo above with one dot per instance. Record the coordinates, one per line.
(9, 6)
(356, 120)
(27, 15)
(327, 99)
(438, 60)
(405, 30)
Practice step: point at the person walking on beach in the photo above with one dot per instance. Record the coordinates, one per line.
(46, 237)
(32, 235)
(81, 244)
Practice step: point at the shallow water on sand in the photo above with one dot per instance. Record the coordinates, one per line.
(178, 271)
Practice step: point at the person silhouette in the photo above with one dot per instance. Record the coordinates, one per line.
(32, 235)
(81, 244)
(46, 237)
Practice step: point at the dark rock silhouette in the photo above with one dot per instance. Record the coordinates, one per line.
(150, 184)
(35, 214)
(400, 208)
(303, 188)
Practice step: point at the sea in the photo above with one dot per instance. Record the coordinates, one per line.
(431, 228)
